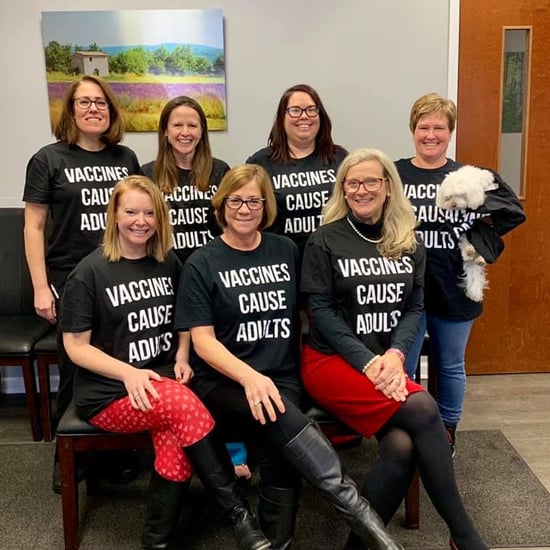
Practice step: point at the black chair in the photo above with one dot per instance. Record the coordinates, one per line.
(20, 327)
(46, 356)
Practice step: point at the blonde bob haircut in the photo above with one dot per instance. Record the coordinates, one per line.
(66, 129)
(159, 245)
(431, 104)
(238, 177)
(398, 222)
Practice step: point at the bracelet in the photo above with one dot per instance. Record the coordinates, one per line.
(399, 353)
(369, 363)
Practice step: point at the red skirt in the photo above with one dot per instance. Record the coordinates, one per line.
(346, 393)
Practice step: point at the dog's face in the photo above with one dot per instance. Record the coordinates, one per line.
(454, 197)
(464, 188)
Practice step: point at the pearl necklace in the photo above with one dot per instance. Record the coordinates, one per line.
(372, 241)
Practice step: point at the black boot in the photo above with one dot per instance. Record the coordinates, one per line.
(277, 511)
(213, 467)
(163, 507)
(314, 457)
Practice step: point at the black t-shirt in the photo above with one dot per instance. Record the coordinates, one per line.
(440, 230)
(191, 213)
(76, 185)
(369, 292)
(129, 307)
(302, 187)
(249, 297)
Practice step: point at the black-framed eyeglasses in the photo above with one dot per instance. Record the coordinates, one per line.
(255, 203)
(296, 112)
(369, 184)
(86, 103)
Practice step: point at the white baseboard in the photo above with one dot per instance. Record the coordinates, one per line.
(12, 380)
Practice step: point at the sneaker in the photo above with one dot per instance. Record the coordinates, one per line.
(451, 436)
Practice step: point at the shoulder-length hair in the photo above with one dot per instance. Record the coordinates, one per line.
(165, 171)
(278, 140)
(238, 177)
(66, 129)
(398, 221)
(160, 243)
(430, 104)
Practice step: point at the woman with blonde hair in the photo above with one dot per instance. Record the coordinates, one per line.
(362, 274)
(118, 327)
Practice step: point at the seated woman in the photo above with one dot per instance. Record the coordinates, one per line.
(363, 275)
(238, 299)
(117, 323)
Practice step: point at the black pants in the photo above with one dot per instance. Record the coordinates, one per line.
(230, 408)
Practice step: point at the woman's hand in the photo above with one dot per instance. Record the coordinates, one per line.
(263, 396)
(388, 376)
(138, 385)
(183, 372)
(44, 305)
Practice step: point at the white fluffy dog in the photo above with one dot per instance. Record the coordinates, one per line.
(465, 188)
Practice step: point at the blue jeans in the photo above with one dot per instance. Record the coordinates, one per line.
(448, 340)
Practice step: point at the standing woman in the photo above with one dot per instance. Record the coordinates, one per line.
(187, 173)
(302, 160)
(118, 327)
(450, 314)
(69, 184)
(238, 298)
(363, 275)
(188, 176)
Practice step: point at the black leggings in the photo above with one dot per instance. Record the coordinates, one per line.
(234, 421)
(415, 436)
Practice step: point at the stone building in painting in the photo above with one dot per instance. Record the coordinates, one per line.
(94, 63)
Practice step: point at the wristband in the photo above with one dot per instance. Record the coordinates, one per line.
(369, 363)
(399, 353)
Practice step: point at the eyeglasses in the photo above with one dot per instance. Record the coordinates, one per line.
(235, 203)
(86, 103)
(369, 184)
(296, 112)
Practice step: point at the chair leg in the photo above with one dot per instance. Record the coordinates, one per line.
(412, 503)
(69, 491)
(43, 364)
(32, 398)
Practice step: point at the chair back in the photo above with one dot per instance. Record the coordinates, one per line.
(16, 292)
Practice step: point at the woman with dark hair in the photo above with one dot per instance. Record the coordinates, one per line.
(188, 176)
(363, 275)
(69, 183)
(238, 299)
(117, 322)
(302, 160)
(187, 173)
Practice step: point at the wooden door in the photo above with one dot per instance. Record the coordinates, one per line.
(513, 334)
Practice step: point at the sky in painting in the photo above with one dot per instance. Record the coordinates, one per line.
(144, 27)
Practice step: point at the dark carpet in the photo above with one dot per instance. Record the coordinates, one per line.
(508, 504)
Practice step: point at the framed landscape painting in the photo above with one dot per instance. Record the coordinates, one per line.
(146, 56)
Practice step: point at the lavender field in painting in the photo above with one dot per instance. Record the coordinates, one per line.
(142, 102)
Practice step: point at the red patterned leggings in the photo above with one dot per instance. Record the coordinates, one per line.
(178, 419)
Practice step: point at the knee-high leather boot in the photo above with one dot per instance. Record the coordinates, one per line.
(277, 511)
(213, 467)
(163, 507)
(314, 457)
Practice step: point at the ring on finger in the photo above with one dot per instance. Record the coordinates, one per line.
(257, 403)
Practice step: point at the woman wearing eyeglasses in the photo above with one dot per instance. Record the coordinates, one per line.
(238, 299)
(69, 183)
(302, 160)
(363, 272)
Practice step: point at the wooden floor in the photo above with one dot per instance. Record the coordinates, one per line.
(517, 404)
